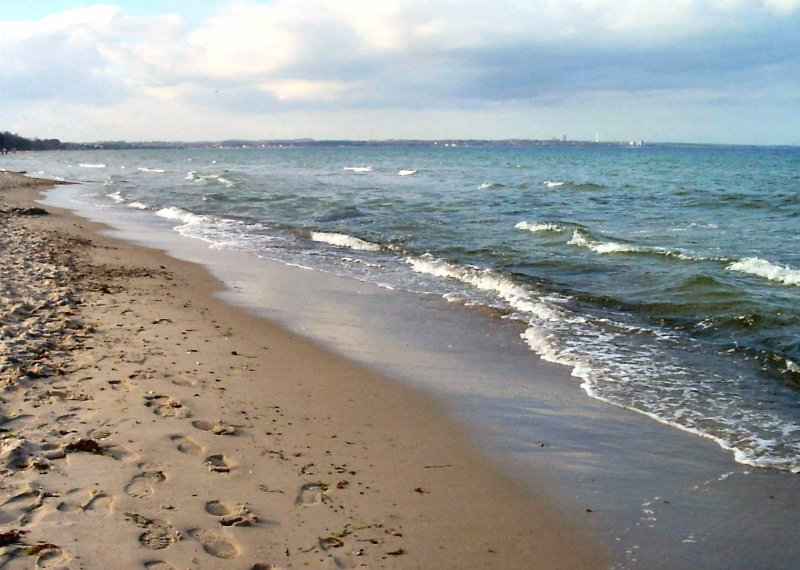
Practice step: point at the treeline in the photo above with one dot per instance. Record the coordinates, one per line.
(10, 141)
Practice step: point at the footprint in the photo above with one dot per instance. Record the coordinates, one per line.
(52, 558)
(214, 544)
(312, 494)
(219, 508)
(21, 506)
(100, 503)
(97, 502)
(121, 453)
(99, 434)
(157, 534)
(231, 515)
(184, 381)
(218, 463)
(166, 407)
(217, 428)
(187, 445)
(158, 565)
(142, 485)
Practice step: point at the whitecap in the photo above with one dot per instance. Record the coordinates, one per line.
(90, 165)
(155, 170)
(580, 239)
(344, 240)
(517, 296)
(763, 268)
(116, 196)
(539, 227)
(138, 205)
(553, 183)
(406, 172)
(358, 168)
(174, 213)
(195, 177)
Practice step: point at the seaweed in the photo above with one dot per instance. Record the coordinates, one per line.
(86, 446)
(10, 537)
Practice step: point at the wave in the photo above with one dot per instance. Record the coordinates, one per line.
(214, 178)
(406, 172)
(90, 165)
(175, 213)
(358, 168)
(581, 239)
(337, 215)
(155, 170)
(763, 268)
(540, 227)
(491, 185)
(517, 296)
(116, 196)
(344, 240)
(138, 206)
(553, 183)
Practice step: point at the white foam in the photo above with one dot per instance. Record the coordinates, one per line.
(344, 240)
(553, 183)
(358, 168)
(580, 239)
(539, 227)
(116, 196)
(89, 165)
(174, 213)
(137, 205)
(195, 177)
(145, 169)
(406, 172)
(515, 295)
(763, 268)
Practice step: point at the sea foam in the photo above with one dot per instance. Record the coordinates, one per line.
(344, 240)
(358, 168)
(406, 172)
(517, 296)
(174, 213)
(89, 165)
(763, 268)
(539, 227)
(580, 239)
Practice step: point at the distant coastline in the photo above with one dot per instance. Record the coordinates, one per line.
(14, 142)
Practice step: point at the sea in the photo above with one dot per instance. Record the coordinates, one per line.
(666, 278)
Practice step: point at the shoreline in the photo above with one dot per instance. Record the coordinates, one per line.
(324, 466)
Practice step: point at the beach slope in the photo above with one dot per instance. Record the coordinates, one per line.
(145, 423)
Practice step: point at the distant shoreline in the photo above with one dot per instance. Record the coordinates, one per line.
(352, 143)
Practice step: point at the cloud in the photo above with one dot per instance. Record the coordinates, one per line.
(257, 58)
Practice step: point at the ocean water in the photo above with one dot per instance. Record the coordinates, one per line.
(666, 278)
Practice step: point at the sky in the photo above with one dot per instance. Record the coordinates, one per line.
(713, 71)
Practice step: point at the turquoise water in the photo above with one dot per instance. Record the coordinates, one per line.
(666, 278)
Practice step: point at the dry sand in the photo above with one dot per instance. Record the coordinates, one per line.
(144, 423)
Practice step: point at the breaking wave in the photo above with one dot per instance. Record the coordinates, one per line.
(344, 240)
(763, 268)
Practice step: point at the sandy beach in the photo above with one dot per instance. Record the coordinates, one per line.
(147, 424)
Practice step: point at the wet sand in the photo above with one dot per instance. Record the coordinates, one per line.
(146, 423)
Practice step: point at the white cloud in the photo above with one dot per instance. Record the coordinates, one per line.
(783, 7)
(267, 57)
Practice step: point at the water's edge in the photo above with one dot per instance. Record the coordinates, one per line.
(649, 488)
